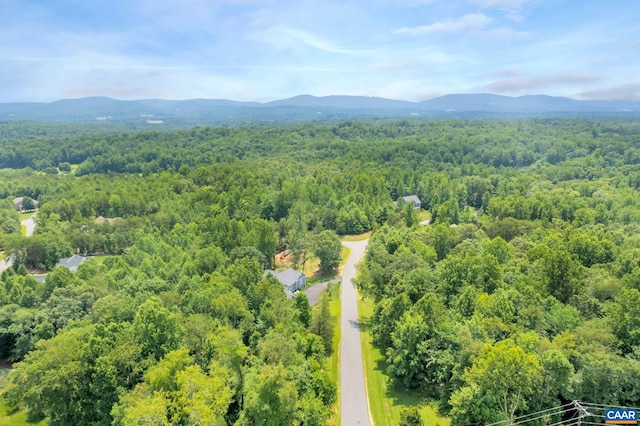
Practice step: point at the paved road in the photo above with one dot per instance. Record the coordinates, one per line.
(354, 409)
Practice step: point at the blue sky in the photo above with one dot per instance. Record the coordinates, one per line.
(260, 50)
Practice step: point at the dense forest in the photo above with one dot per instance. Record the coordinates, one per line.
(522, 293)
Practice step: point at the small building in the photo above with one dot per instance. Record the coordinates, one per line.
(72, 263)
(413, 199)
(101, 219)
(291, 279)
(19, 204)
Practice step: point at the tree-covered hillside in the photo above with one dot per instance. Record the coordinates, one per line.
(522, 292)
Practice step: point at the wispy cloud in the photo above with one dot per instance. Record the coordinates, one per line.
(292, 38)
(466, 23)
(266, 49)
(512, 9)
(409, 3)
(624, 92)
(509, 72)
(507, 4)
(520, 85)
(386, 65)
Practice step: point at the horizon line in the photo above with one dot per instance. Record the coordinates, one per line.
(265, 102)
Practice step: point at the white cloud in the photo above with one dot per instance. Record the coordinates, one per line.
(466, 23)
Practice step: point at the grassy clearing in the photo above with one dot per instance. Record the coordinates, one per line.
(2, 255)
(13, 418)
(424, 215)
(100, 259)
(25, 216)
(316, 278)
(23, 230)
(359, 237)
(386, 400)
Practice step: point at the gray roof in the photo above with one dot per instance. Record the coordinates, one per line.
(412, 199)
(288, 277)
(72, 262)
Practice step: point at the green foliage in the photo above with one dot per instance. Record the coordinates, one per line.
(157, 329)
(538, 280)
(410, 417)
(270, 398)
(328, 248)
(301, 303)
(322, 324)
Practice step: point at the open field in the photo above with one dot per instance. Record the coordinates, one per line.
(385, 399)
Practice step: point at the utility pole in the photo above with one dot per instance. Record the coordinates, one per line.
(582, 412)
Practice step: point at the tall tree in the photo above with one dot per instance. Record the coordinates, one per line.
(328, 248)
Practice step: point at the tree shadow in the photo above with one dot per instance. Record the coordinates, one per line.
(364, 324)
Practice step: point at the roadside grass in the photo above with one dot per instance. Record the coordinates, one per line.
(333, 292)
(358, 237)
(23, 230)
(386, 399)
(346, 252)
(2, 255)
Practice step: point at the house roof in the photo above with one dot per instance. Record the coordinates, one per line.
(412, 199)
(18, 200)
(102, 219)
(288, 277)
(72, 262)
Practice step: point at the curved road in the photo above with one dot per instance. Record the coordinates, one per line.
(354, 409)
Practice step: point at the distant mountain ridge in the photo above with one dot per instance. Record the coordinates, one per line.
(307, 107)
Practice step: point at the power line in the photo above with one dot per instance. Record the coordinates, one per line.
(520, 419)
(584, 414)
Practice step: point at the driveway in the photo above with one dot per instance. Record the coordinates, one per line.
(5, 264)
(354, 409)
(29, 224)
(314, 292)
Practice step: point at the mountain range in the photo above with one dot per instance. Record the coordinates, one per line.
(306, 107)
